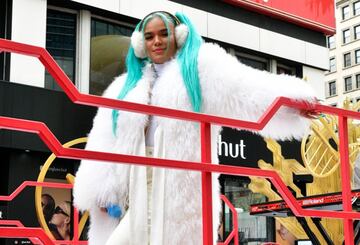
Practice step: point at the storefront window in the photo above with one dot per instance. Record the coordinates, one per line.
(109, 46)
(252, 229)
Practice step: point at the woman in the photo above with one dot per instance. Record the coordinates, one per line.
(169, 65)
(60, 222)
(48, 206)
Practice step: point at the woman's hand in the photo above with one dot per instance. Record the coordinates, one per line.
(310, 112)
(112, 210)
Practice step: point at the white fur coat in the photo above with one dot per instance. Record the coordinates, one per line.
(229, 89)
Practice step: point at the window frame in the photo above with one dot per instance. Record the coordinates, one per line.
(75, 57)
(357, 80)
(346, 85)
(357, 33)
(344, 59)
(356, 11)
(332, 88)
(331, 41)
(334, 65)
(346, 39)
(345, 16)
(357, 56)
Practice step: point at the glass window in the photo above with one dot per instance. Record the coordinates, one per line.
(61, 44)
(348, 84)
(347, 60)
(356, 8)
(357, 56)
(109, 46)
(346, 36)
(357, 32)
(253, 61)
(332, 88)
(252, 229)
(332, 65)
(331, 42)
(285, 69)
(357, 80)
(345, 12)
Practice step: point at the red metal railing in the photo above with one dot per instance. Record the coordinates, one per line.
(234, 233)
(206, 167)
(26, 232)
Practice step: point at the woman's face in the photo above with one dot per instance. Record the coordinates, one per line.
(60, 216)
(156, 41)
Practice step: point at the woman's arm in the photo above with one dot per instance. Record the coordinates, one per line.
(235, 90)
(100, 184)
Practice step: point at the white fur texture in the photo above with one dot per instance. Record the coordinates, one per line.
(181, 33)
(137, 41)
(228, 89)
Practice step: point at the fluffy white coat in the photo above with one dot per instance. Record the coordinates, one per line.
(229, 89)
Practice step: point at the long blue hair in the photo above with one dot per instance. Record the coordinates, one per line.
(187, 58)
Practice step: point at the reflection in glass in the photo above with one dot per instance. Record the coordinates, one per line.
(251, 228)
(109, 46)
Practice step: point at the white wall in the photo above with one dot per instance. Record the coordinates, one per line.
(315, 78)
(28, 26)
(226, 30)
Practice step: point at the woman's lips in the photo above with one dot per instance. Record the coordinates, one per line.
(159, 50)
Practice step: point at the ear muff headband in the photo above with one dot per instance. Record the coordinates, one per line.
(137, 38)
(173, 17)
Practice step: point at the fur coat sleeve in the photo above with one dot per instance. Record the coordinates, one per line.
(97, 183)
(232, 89)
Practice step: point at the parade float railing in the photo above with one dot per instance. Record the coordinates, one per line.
(205, 166)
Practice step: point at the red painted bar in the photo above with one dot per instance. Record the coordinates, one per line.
(76, 227)
(206, 185)
(234, 233)
(345, 178)
(24, 232)
(18, 223)
(72, 153)
(318, 15)
(34, 183)
(54, 145)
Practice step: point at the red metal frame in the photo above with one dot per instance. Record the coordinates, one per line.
(17, 223)
(206, 120)
(234, 233)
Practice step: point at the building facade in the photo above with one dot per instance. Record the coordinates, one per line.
(343, 75)
(89, 40)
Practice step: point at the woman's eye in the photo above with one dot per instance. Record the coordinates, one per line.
(148, 37)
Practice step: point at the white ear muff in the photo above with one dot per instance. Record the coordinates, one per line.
(181, 33)
(137, 41)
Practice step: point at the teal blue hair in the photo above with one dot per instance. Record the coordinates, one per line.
(187, 58)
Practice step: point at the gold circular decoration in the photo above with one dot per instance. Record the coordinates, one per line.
(38, 190)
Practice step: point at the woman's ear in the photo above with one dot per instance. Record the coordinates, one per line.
(137, 42)
(181, 33)
(67, 220)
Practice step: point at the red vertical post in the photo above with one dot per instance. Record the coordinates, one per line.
(76, 227)
(345, 178)
(206, 184)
